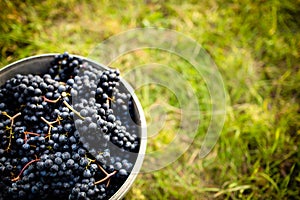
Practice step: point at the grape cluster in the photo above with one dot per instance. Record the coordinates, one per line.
(67, 134)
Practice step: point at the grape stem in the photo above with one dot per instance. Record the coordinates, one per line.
(19, 176)
(90, 161)
(11, 118)
(29, 133)
(50, 125)
(74, 111)
(110, 100)
(51, 101)
(107, 176)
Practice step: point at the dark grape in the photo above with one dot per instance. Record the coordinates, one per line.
(62, 132)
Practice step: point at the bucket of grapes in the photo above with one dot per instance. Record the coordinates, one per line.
(70, 128)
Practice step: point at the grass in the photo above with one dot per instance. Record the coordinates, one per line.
(255, 45)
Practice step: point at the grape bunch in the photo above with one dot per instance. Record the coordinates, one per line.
(66, 134)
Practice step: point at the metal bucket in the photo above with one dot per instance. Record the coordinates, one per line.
(40, 64)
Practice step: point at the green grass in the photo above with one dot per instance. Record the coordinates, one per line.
(255, 45)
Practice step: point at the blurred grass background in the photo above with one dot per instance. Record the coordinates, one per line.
(255, 44)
